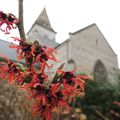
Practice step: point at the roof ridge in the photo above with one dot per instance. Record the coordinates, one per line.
(72, 33)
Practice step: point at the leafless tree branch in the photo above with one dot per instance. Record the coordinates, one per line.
(21, 23)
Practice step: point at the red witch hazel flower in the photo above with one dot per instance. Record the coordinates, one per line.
(69, 78)
(9, 20)
(34, 53)
(10, 71)
(47, 94)
(42, 54)
(46, 99)
(23, 49)
(26, 77)
(43, 110)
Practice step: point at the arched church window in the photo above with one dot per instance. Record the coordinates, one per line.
(99, 71)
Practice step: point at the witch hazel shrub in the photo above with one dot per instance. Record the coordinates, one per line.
(48, 94)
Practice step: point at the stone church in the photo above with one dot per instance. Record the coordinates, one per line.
(85, 48)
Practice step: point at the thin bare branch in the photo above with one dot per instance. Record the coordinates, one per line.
(21, 23)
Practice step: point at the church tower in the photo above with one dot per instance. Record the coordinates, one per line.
(42, 31)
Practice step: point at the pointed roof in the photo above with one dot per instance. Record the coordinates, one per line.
(94, 24)
(43, 20)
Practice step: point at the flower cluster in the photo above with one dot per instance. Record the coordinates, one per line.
(9, 20)
(34, 53)
(47, 94)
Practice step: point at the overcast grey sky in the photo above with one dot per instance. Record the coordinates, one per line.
(71, 15)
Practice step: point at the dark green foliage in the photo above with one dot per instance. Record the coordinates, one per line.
(98, 98)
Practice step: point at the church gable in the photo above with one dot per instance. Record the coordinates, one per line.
(91, 37)
(88, 45)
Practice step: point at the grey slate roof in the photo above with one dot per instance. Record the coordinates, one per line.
(8, 52)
